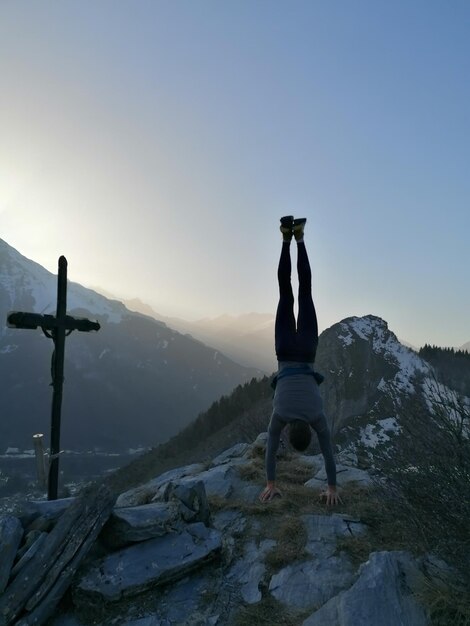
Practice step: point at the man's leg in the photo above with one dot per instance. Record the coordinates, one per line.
(307, 326)
(285, 319)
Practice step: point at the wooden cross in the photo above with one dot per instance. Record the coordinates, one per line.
(56, 328)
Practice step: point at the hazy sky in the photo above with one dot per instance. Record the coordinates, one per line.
(157, 143)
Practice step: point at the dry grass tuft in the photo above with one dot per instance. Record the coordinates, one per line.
(357, 548)
(268, 612)
(257, 508)
(448, 605)
(253, 471)
(292, 472)
(291, 538)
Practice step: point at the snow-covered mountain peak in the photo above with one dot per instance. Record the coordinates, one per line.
(25, 281)
(385, 343)
(363, 327)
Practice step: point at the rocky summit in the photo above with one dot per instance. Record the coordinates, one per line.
(194, 546)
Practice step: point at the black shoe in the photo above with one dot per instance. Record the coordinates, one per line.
(298, 226)
(286, 227)
(287, 220)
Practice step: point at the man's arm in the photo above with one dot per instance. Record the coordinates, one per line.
(324, 439)
(274, 435)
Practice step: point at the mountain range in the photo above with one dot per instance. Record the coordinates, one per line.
(248, 339)
(138, 381)
(134, 383)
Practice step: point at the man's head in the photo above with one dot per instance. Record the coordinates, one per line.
(299, 435)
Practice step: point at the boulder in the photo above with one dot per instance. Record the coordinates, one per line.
(147, 564)
(139, 523)
(382, 594)
(259, 444)
(237, 451)
(192, 495)
(146, 492)
(218, 481)
(11, 533)
(307, 584)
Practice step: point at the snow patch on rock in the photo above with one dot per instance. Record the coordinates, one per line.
(374, 434)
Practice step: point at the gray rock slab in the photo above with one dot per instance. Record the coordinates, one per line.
(28, 540)
(315, 484)
(49, 510)
(235, 452)
(315, 461)
(139, 523)
(249, 571)
(259, 444)
(344, 476)
(145, 493)
(218, 481)
(309, 584)
(11, 533)
(192, 495)
(347, 457)
(147, 564)
(29, 553)
(187, 601)
(246, 491)
(324, 530)
(230, 522)
(381, 595)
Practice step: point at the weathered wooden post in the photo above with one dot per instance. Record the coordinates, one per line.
(56, 328)
(40, 459)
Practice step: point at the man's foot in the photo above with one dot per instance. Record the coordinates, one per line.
(298, 226)
(286, 227)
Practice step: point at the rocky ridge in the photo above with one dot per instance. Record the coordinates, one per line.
(194, 546)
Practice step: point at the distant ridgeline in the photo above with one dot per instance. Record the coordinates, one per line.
(452, 366)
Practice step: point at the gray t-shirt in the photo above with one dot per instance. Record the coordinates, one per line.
(297, 397)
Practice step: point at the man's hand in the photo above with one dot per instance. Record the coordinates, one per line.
(331, 495)
(269, 492)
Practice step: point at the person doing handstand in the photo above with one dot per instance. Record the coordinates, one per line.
(297, 402)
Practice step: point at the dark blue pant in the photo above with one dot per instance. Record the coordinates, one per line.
(295, 344)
